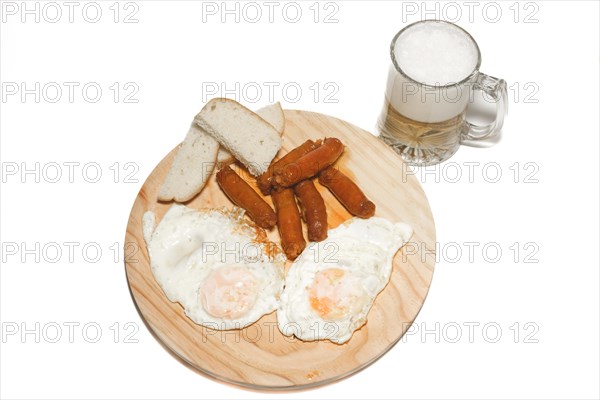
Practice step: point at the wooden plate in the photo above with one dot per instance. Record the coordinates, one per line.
(259, 356)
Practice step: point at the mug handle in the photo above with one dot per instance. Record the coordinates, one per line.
(494, 88)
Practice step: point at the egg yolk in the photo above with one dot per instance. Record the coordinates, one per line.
(229, 292)
(335, 294)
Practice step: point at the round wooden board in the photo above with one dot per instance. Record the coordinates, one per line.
(259, 356)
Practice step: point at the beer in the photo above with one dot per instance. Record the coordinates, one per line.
(435, 68)
(421, 143)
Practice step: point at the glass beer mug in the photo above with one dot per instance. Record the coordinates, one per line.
(431, 82)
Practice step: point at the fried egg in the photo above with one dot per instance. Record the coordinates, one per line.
(218, 266)
(332, 285)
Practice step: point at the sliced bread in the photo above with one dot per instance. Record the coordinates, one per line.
(251, 139)
(192, 166)
(273, 114)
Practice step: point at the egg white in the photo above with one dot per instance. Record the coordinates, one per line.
(361, 250)
(188, 245)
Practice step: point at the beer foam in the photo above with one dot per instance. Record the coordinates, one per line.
(436, 53)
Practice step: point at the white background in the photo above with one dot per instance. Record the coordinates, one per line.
(547, 51)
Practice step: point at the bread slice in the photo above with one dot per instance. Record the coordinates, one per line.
(273, 114)
(192, 166)
(251, 139)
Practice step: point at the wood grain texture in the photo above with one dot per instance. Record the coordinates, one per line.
(259, 356)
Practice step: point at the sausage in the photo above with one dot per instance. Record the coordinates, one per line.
(347, 192)
(310, 164)
(265, 181)
(313, 210)
(288, 222)
(242, 195)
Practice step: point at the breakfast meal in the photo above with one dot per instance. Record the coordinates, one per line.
(219, 263)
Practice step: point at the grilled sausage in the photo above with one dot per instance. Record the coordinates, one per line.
(288, 222)
(310, 164)
(242, 195)
(265, 181)
(313, 210)
(347, 192)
